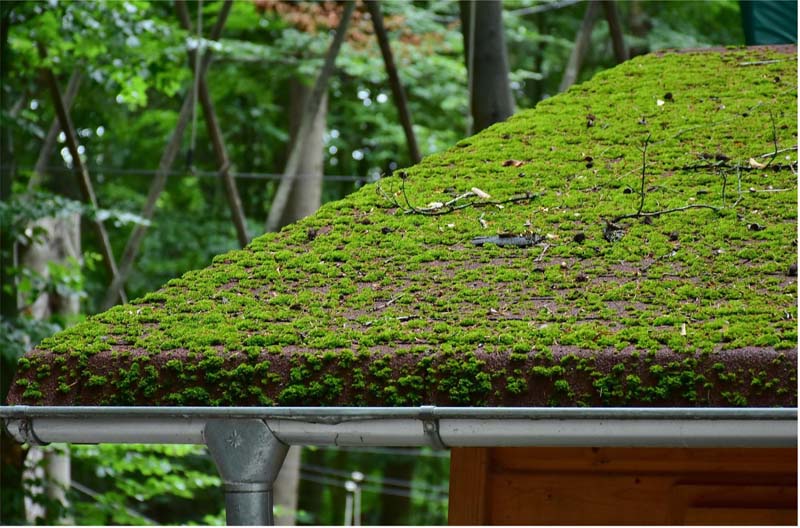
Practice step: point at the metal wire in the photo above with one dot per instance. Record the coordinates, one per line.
(204, 174)
(77, 486)
(399, 483)
(543, 7)
(370, 489)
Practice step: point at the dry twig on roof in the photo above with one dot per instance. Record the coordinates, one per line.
(640, 213)
(442, 208)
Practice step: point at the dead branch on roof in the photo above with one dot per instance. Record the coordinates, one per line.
(762, 63)
(443, 208)
(439, 208)
(640, 213)
(774, 140)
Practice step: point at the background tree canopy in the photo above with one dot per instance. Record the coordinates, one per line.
(130, 57)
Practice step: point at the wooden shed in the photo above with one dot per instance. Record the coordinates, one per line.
(609, 279)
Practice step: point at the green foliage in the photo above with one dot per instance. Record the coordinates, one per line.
(409, 482)
(133, 57)
(138, 484)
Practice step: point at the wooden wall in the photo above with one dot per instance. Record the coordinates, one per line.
(622, 486)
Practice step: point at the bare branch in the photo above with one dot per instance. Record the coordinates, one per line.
(374, 8)
(84, 180)
(55, 127)
(215, 132)
(160, 179)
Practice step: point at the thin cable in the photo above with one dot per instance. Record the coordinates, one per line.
(370, 489)
(541, 8)
(379, 481)
(199, 173)
(196, 86)
(77, 486)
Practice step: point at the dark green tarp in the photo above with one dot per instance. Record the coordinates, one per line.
(769, 21)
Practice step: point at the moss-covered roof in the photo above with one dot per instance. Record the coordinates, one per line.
(373, 302)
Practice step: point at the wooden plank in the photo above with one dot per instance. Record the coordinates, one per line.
(577, 499)
(586, 499)
(690, 502)
(618, 486)
(647, 460)
(740, 517)
(468, 475)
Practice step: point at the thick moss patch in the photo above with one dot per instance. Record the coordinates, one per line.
(371, 302)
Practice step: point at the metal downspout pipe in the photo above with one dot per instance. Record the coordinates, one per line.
(248, 458)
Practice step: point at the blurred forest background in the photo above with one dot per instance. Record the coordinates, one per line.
(122, 70)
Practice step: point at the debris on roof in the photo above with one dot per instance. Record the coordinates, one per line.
(638, 249)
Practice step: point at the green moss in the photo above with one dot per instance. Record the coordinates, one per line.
(516, 385)
(97, 381)
(384, 307)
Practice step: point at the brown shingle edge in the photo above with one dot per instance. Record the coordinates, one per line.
(565, 376)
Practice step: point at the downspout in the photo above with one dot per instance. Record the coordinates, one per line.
(248, 444)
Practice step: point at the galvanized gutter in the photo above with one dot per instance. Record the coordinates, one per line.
(249, 444)
(418, 426)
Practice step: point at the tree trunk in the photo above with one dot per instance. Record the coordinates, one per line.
(286, 488)
(395, 509)
(615, 30)
(160, 179)
(215, 133)
(582, 40)
(490, 93)
(314, 103)
(399, 94)
(538, 60)
(12, 454)
(640, 25)
(52, 463)
(304, 199)
(46, 152)
(306, 194)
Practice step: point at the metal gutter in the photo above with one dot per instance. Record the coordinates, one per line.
(437, 427)
(249, 444)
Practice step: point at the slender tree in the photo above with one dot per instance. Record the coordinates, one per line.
(487, 62)
(306, 194)
(582, 41)
(12, 454)
(313, 102)
(60, 244)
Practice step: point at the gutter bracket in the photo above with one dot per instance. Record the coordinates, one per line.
(430, 426)
(248, 457)
(22, 430)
